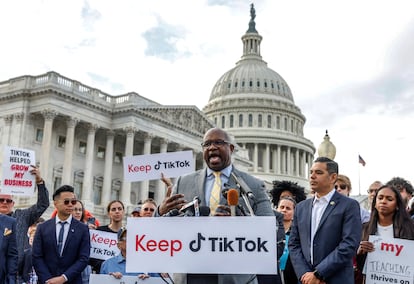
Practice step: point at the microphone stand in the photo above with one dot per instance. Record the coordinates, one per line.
(242, 186)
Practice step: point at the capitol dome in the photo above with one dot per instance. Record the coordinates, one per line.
(255, 105)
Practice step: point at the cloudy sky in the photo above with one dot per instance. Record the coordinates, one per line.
(349, 64)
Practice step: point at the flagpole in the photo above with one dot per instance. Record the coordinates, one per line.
(359, 175)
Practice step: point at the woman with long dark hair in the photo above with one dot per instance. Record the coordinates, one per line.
(388, 219)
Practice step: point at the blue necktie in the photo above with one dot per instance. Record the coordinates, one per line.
(60, 239)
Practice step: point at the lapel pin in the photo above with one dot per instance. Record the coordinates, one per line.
(332, 203)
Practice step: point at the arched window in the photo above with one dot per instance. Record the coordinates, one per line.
(231, 121)
(269, 121)
(259, 121)
(250, 120)
(277, 122)
(240, 120)
(223, 121)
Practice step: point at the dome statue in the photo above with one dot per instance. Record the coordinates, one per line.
(327, 148)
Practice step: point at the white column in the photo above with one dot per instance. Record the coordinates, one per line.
(160, 191)
(297, 162)
(87, 187)
(266, 159)
(274, 159)
(302, 164)
(8, 120)
(107, 182)
(45, 168)
(288, 161)
(67, 177)
(17, 129)
(129, 151)
(255, 157)
(145, 184)
(279, 159)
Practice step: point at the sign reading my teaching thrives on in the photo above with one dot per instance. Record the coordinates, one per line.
(390, 262)
(147, 167)
(17, 179)
(223, 245)
(103, 244)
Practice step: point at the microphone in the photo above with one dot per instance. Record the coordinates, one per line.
(244, 188)
(233, 200)
(204, 211)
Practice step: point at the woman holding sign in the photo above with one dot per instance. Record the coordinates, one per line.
(388, 219)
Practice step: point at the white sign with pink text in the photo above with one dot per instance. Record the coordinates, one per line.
(223, 245)
(16, 178)
(148, 167)
(103, 244)
(390, 262)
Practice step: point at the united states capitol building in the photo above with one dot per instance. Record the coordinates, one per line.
(80, 133)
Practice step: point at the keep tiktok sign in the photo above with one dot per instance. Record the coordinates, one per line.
(391, 262)
(225, 245)
(147, 167)
(17, 179)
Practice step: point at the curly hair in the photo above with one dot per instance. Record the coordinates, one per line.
(297, 191)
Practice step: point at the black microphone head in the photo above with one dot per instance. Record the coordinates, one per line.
(204, 211)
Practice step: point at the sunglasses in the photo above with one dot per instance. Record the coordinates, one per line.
(2, 200)
(341, 186)
(148, 209)
(72, 201)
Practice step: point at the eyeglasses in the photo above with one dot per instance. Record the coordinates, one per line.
(72, 201)
(341, 186)
(2, 200)
(216, 143)
(148, 209)
(77, 209)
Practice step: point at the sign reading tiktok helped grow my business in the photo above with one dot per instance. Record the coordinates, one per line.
(17, 179)
(147, 167)
(390, 262)
(224, 245)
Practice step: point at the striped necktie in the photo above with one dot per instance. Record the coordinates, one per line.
(215, 193)
(60, 239)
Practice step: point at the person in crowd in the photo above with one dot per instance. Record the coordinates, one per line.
(79, 214)
(372, 189)
(344, 187)
(217, 150)
(148, 208)
(116, 266)
(61, 246)
(28, 216)
(411, 207)
(116, 213)
(286, 188)
(8, 250)
(405, 188)
(326, 230)
(26, 270)
(286, 206)
(387, 220)
(136, 212)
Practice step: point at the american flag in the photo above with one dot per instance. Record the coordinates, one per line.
(361, 161)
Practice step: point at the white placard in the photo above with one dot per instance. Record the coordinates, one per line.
(107, 279)
(103, 244)
(17, 179)
(147, 167)
(390, 262)
(223, 245)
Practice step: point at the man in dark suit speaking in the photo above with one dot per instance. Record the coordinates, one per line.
(207, 184)
(61, 246)
(326, 230)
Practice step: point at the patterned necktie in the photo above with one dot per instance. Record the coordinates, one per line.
(60, 239)
(215, 193)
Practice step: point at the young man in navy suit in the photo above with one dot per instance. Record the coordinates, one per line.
(326, 230)
(8, 250)
(61, 246)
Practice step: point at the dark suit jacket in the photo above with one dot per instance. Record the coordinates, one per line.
(193, 184)
(8, 250)
(75, 256)
(335, 243)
